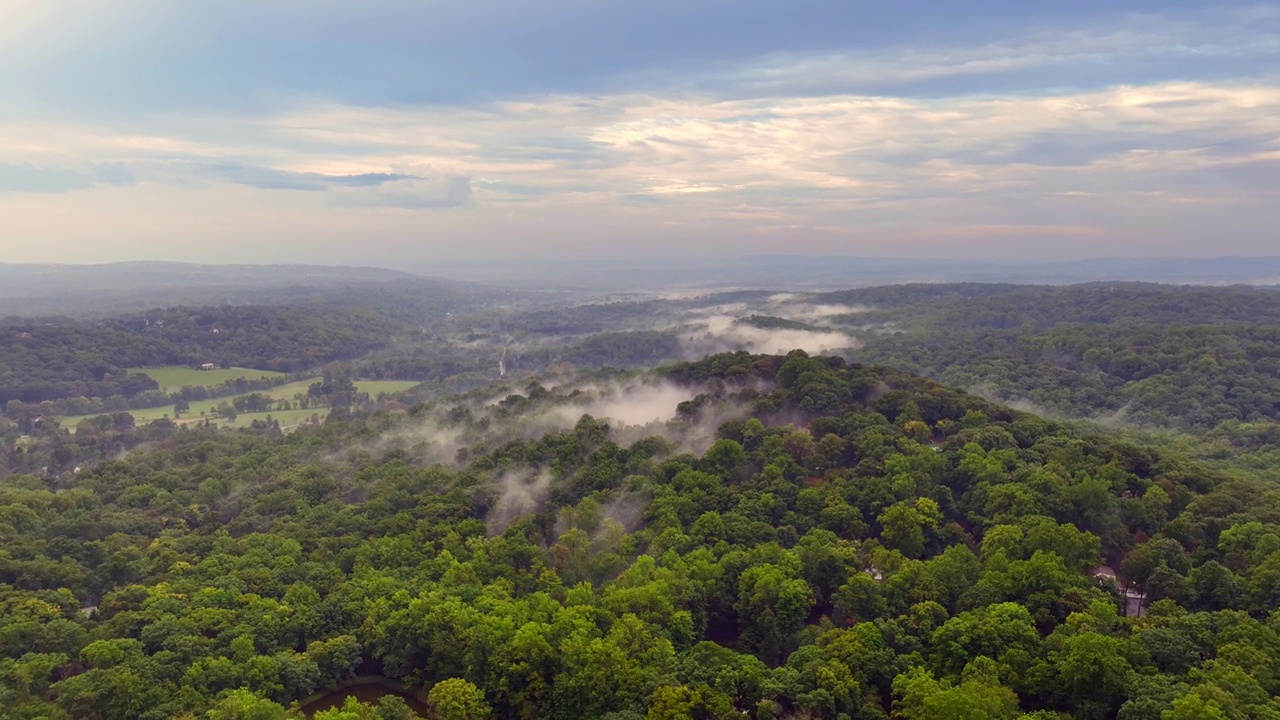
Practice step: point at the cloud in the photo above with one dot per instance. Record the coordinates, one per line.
(418, 194)
(27, 178)
(634, 407)
(367, 179)
(814, 169)
(272, 178)
(1124, 49)
(795, 307)
(31, 179)
(145, 55)
(1051, 133)
(637, 403)
(721, 333)
(114, 174)
(519, 494)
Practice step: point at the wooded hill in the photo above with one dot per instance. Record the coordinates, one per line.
(1184, 357)
(857, 543)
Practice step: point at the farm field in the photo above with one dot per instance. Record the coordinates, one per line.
(281, 392)
(173, 378)
(287, 418)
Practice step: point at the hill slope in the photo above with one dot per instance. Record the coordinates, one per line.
(853, 541)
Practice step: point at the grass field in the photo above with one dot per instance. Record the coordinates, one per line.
(287, 418)
(280, 392)
(173, 378)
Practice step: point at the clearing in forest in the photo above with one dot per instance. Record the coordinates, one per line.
(173, 378)
(288, 391)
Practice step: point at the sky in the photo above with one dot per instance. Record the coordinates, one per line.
(404, 133)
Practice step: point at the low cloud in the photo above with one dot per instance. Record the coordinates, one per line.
(638, 403)
(720, 327)
(633, 408)
(722, 333)
(795, 307)
(519, 494)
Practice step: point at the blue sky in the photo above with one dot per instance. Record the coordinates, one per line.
(396, 133)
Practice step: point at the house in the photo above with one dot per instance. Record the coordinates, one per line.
(209, 366)
(1134, 599)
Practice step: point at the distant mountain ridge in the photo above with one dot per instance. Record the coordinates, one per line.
(838, 272)
(75, 289)
(20, 278)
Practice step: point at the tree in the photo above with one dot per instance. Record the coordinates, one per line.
(921, 697)
(393, 707)
(861, 598)
(1216, 587)
(336, 658)
(673, 702)
(352, 709)
(245, 705)
(771, 606)
(904, 524)
(1194, 707)
(1004, 632)
(458, 699)
(1091, 674)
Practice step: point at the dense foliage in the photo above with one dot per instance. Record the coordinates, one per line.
(1157, 355)
(64, 358)
(858, 543)
(1160, 356)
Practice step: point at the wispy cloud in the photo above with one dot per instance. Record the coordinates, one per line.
(27, 178)
(1135, 46)
(1148, 129)
(418, 194)
(267, 178)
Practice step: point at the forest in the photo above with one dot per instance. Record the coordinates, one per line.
(49, 358)
(1191, 370)
(68, 358)
(799, 537)
(1164, 356)
(1156, 356)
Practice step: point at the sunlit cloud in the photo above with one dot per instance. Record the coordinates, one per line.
(801, 151)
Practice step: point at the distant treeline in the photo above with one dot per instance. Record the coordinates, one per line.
(60, 359)
(1187, 357)
(26, 413)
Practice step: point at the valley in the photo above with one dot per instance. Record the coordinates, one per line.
(743, 503)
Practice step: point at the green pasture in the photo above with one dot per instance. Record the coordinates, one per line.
(288, 391)
(173, 378)
(390, 387)
(287, 418)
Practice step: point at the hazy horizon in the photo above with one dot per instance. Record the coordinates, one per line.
(399, 134)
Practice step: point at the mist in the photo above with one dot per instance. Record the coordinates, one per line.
(723, 333)
(641, 403)
(519, 494)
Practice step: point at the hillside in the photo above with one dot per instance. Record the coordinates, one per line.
(1183, 357)
(80, 290)
(760, 535)
(49, 359)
